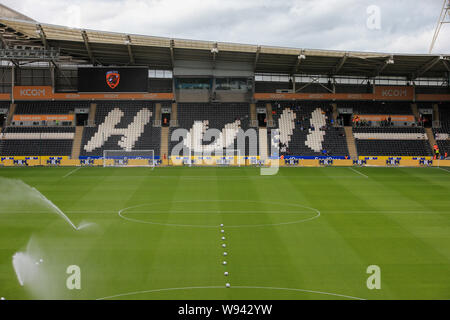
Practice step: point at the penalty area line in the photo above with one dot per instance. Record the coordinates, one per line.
(73, 171)
(360, 173)
(443, 169)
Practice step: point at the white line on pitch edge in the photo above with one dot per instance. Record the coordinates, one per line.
(354, 170)
(74, 170)
(443, 169)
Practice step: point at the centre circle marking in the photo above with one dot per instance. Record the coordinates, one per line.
(122, 213)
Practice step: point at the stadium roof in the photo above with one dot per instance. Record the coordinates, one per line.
(84, 46)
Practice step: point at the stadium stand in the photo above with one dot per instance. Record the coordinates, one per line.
(442, 134)
(269, 86)
(352, 88)
(49, 107)
(121, 125)
(432, 89)
(219, 91)
(4, 104)
(160, 85)
(297, 136)
(226, 117)
(377, 107)
(391, 141)
(37, 141)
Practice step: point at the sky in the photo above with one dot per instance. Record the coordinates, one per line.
(393, 26)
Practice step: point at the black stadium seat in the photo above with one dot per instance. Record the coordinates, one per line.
(334, 141)
(395, 146)
(150, 139)
(218, 115)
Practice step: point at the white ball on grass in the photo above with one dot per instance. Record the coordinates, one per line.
(226, 273)
(221, 225)
(224, 245)
(223, 231)
(227, 285)
(224, 262)
(2, 298)
(223, 238)
(225, 253)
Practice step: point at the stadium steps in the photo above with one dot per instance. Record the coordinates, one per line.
(269, 113)
(252, 112)
(92, 111)
(351, 145)
(174, 115)
(157, 115)
(262, 143)
(415, 111)
(436, 112)
(164, 143)
(431, 138)
(335, 113)
(76, 146)
(12, 109)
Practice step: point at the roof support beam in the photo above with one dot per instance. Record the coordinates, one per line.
(172, 53)
(446, 64)
(42, 35)
(214, 51)
(4, 42)
(313, 80)
(6, 46)
(427, 67)
(88, 47)
(44, 41)
(341, 63)
(258, 51)
(130, 52)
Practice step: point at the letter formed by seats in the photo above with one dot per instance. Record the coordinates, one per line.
(374, 280)
(130, 135)
(74, 280)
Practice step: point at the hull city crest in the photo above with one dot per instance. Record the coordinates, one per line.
(112, 79)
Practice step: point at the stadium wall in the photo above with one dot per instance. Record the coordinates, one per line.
(382, 93)
(51, 161)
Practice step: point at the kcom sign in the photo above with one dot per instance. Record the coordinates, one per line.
(394, 93)
(32, 92)
(36, 92)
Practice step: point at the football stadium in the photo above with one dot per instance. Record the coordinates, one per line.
(139, 167)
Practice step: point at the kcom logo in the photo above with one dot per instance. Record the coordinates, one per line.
(32, 92)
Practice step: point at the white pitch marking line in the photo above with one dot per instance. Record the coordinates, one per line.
(212, 226)
(443, 169)
(354, 170)
(73, 171)
(236, 287)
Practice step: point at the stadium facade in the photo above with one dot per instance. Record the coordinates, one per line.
(68, 95)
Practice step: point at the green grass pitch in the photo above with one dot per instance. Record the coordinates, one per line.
(305, 233)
